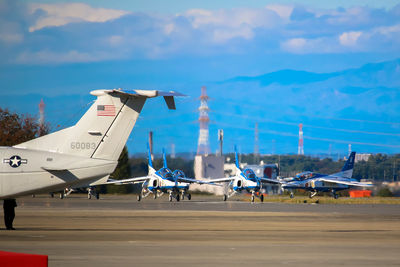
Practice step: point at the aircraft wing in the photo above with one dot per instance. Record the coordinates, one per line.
(191, 180)
(269, 181)
(222, 180)
(346, 182)
(135, 180)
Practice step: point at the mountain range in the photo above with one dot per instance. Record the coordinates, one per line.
(363, 103)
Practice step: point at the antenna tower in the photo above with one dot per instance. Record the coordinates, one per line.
(300, 150)
(41, 117)
(203, 146)
(151, 142)
(173, 155)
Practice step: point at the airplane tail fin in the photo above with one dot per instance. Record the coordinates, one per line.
(238, 170)
(347, 170)
(103, 130)
(151, 168)
(164, 159)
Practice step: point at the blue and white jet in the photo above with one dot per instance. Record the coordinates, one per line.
(244, 181)
(176, 184)
(316, 182)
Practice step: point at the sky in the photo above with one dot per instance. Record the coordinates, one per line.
(65, 49)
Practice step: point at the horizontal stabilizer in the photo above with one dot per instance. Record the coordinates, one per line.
(168, 95)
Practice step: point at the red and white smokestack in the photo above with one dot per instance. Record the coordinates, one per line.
(203, 146)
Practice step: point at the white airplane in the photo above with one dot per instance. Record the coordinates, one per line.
(244, 180)
(79, 156)
(161, 181)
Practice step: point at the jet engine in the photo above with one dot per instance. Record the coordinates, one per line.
(238, 184)
(154, 183)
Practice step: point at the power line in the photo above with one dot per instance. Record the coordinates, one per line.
(310, 137)
(307, 125)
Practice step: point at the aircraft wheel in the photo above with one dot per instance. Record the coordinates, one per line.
(170, 198)
(291, 195)
(97, 195)
(189, 196)
(139, 197)
(252, 198)
(335, 196)
(178, 197)
(262, 198)
(225, 197)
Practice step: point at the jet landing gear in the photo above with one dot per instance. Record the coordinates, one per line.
(172, 195)
(143, 194)
(334, 195)
(231, 193)
(253, 196)
(312, 194)
(188, 195)
(158, 194)
(93, 192)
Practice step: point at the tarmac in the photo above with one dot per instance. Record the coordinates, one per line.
(119, 231)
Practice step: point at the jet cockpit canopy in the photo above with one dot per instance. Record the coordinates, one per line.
(304, 175)
(250, 175)
(166, 173)
(179, 174)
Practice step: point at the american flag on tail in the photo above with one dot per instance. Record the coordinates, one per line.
(105, 110)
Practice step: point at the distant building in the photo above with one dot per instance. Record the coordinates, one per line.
(208, 167)
(265, 170)
(230, 169)
(362, 157)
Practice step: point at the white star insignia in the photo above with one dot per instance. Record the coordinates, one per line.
(15, 161)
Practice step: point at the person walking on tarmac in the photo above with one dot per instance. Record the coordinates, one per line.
(9, 213)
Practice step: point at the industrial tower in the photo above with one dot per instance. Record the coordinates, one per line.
(203, 146)
(41, 113)
(300, 150)
(41, 118)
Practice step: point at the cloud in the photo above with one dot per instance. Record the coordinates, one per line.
(76, 32)
(61, 14)
(349, 38)
(227, 24)
(72, 56)
(295, 45)
(284, 11)
(11, 38)
(322, 45)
